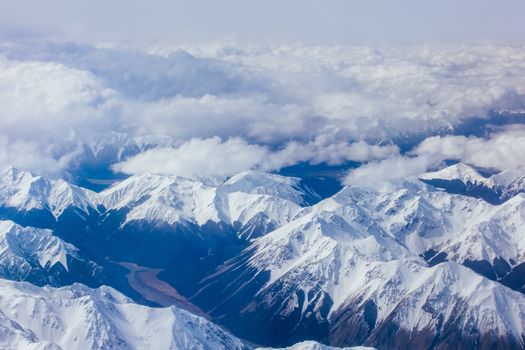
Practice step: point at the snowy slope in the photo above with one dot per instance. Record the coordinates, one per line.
(35, 244)
(345, 270)
(246, 198)
(508, 179)
(447, 303)
(464, 179)
(355, 260)
(36, 255)
(494, 232)
(356, 274)
(333, 246)
(253, 198)
(25, 192)
(168, 199)
(423, 218)
(252, 202)
(77, 317)
(311, 345)
(459, 171)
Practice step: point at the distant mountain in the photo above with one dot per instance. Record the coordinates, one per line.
(310, 345)
(468, 181)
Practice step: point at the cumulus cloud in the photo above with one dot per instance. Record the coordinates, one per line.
(41, 97)
(499, 151)
(47, 108)
(197, 157)
(293, 103)
(324, 150)
(502, 150)
(385, 171)
(214, 157)
(33, 157)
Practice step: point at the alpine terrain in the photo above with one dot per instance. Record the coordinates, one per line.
(432, 262)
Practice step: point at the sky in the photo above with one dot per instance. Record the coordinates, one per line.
(270, 21)
(208, 88)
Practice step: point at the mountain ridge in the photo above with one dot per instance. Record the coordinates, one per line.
(276, 264)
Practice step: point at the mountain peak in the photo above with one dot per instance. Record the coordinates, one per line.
(459, 171)
(77, 317)
(21, 245)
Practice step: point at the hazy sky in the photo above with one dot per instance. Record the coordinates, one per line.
(312, 21)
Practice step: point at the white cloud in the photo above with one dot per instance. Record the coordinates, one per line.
(214, 157)
(34, 157)
(197, 158)
(385, 171)
(49, 94)
(327, 151)
(47, 108)
(500, 151)
(298, 103)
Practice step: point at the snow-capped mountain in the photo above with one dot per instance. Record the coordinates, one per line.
(461, 172)
(77, 317)
(151, 212)
(25, 194)
(246, 198)
(180, 219)
(440, 225)
(351, 267)
(183, 218)
(311, 345)
(326, 278)
(265, 257)
(249, 201)
(36, 255)
(466, 180)
(438, 306)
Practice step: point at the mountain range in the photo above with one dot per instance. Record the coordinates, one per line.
(432, 262)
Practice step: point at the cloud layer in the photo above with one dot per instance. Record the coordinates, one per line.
(283, 105)
(196, 158)
(501, 150)
(213, 157)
